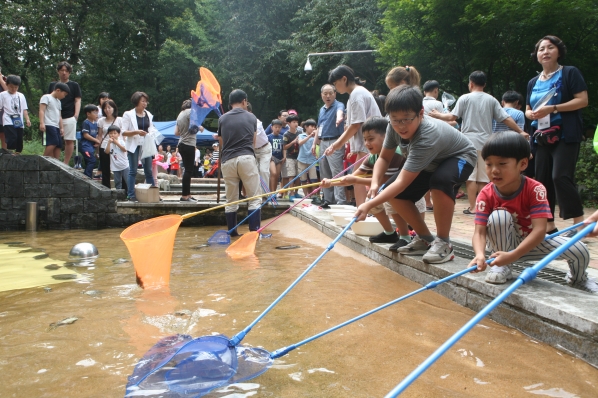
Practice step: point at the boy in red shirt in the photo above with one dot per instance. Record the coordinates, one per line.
(511, 215)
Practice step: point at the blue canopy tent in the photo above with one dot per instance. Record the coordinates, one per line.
(204, 138)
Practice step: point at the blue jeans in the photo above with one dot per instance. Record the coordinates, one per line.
(118, 178)
(90, 162)
(147, 170)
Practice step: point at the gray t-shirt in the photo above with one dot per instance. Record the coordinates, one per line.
(237, 128)
(431, 103)
(477, 110)
(53, 108)
(360, 107)
(433, 142)
(182, 122)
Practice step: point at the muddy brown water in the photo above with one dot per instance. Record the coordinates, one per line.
(118, 322)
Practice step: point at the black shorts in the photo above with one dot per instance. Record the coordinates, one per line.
(448, 177)
(13, 137)
(52, 137)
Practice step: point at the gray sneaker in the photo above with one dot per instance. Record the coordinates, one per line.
(499, 275)
(440, 252)
(416, 247)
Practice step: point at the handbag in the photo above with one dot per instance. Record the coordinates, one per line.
(148, 148)
(549, 136)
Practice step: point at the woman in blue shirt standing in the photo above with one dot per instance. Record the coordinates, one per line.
(560, 121)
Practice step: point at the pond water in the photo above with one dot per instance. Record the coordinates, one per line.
(209, 293)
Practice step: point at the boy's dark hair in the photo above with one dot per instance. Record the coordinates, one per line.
(236, 97)
(114, 128)
(478, 78)
(112, 105)
(103, 95)
(13, 79)
(90, 108)
(277, 122)
(431, 85)
(249, 107)
(344, 71)
(309, 122)
(136, 97)
(506, 144)
(510, 97)
(404, 98)
(293, 118)
(186, 104)
(380, 101)
(62, 87)
(281, 112)
(63, 64)
(554, 40)
(376, 124)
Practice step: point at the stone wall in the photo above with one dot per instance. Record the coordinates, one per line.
(66, 198)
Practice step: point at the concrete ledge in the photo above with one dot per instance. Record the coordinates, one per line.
(561, 316)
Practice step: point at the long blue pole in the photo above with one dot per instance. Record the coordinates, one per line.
(274, 195)
(235, 340)
(526, 276)
(283, 351)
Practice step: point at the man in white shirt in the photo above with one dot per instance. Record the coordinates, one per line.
(263, 152)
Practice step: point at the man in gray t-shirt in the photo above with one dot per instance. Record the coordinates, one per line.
(237, 131)
(477, 109)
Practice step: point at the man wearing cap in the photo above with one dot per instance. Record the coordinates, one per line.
(331, 125)
(237, 131)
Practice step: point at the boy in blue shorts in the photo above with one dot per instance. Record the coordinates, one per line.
(89, 140)
(439, 159)
(50, 119)
(306, 158)
(511, 216)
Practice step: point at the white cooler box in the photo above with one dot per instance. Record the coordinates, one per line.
(146, 194)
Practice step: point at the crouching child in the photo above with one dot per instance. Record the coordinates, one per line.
(511, 216)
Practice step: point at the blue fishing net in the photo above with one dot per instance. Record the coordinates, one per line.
(179, 366)
(220, 237)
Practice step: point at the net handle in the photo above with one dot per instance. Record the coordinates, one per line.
(313, 184)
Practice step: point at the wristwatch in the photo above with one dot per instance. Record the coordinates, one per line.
(554, 110)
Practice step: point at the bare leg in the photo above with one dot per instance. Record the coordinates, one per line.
(49, 151)
(409, 213)
(384, 221)
(3, 141)
(443, 213)
(360, 191)
(69, 147)
(401, 225)
(56, 154)
(472, 187)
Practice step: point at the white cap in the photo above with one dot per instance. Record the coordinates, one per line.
(215, 144)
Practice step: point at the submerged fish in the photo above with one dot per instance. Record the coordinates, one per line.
(52, 267)
(183, 312)
(41, 256)
(65, 277)
(32, 251)
(93, 293)
(200, 246)
(66, 321)
(120, 261)
(288, 247)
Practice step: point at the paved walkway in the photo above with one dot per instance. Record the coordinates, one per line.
(463, 228)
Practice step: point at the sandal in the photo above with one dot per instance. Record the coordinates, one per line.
(468, 212)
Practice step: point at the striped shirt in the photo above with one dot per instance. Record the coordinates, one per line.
(527, 203)
(395, 165)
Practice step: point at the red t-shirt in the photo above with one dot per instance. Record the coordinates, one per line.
(528, 202)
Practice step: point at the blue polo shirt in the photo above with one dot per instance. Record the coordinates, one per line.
(327, 121)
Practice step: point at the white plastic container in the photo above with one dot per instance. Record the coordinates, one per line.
(337, 207)
(342, 219)
(302, 200)
(370, 227)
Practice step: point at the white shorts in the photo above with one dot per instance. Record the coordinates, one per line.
(479, 171)
(70, 129)
(421, 205)
(357, 144)
(291, 166)
(311, 173)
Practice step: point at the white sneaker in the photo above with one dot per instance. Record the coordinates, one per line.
(499, 275)
(416, 247)
(440, 252)
(589, 285)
